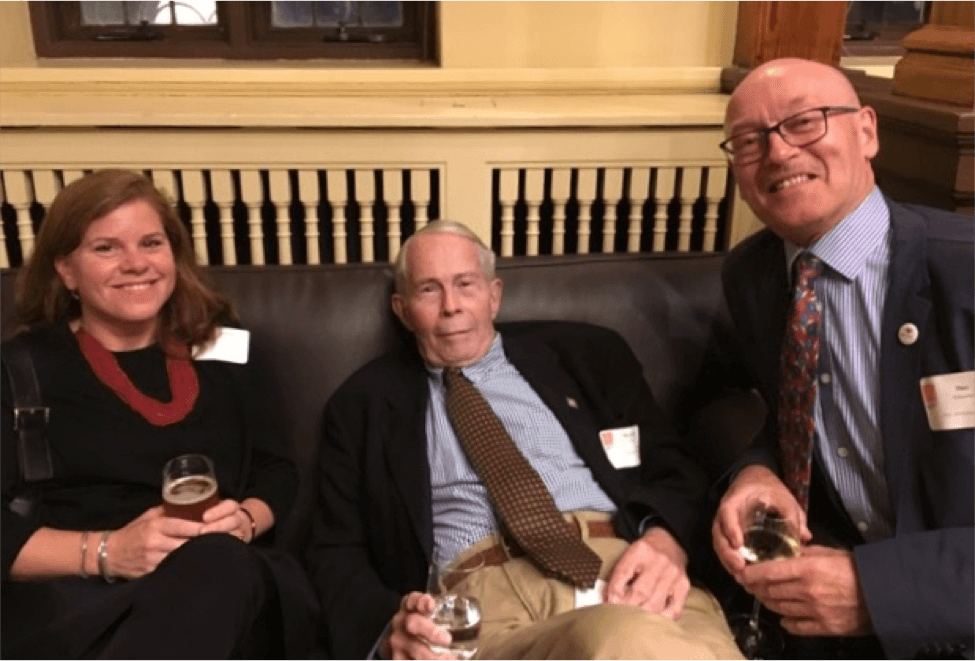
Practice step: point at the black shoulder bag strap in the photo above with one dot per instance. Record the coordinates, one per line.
(30, 414)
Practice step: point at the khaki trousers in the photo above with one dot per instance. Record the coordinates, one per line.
(530, 616)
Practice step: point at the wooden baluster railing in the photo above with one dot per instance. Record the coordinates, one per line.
(252, 195)
(586, 195)
(20, 197)
(222, 190)
(393, 196)
(508, 197)
(420, 194)
(639, 191)
(612, 194)
(690, 189)
(70, 176)
(663, 193)
(310, 196)
(194, 194)
(365, 195)
(534, 195)
(561, 189)
(338, 195)
(716, 186)
(279, 189)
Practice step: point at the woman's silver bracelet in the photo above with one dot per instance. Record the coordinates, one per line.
(103, 558)
(84, 553)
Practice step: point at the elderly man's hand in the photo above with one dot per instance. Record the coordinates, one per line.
(412, 628)
(651, 574)
(752, 484)
(817, 593)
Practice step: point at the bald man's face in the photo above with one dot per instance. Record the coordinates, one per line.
(800, 193)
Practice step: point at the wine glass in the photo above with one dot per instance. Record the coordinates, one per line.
(457, 611)
(768, 536)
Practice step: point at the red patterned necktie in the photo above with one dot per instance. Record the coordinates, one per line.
(797, 378)
(520, 497)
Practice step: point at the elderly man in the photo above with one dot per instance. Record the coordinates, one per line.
(855, 320)
(445, 448)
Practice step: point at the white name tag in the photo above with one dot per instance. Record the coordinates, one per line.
(591, 597)
(949, 400)
(622, 446)
(231, 346)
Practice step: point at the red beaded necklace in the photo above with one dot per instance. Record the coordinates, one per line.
(183, 382)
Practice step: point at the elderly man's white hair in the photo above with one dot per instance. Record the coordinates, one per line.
(485, 256)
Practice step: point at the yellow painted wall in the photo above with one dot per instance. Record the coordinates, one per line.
(530, 35)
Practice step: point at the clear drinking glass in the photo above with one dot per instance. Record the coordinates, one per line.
(768, 536)
(189, 487)
(457, 611)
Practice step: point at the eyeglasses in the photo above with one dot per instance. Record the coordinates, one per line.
(799, 130)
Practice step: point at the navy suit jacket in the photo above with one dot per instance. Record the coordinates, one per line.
(918, 583)
(373, 536)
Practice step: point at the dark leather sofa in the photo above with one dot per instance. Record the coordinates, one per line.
(313, 326)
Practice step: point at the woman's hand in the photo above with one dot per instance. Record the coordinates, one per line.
(229, 516)
(137, 548)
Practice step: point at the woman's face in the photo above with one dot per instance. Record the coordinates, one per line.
(124, 272)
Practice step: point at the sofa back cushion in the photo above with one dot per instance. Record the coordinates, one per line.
(313, 326)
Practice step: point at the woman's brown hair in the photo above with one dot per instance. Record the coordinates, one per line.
(190, 315)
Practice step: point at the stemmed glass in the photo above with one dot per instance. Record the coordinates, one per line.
(457, 611)
(768, 536)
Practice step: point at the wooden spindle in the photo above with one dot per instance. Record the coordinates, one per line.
(338, 195)
(280, 191)
(365, 195)
(252, 196)
(663, 193)
(20, 197)
(561, 189)
(716, 186)
(586, 195)
(420, 194)
(690, 189)
(310, 196)
(393, 196)
(194, 194)
(508, 197)
(639, 190)
(612, 194)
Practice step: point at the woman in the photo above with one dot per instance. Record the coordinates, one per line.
(120, 322)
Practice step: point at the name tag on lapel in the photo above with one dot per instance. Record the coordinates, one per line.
(622, 446)
(230, 346)
(949, 400)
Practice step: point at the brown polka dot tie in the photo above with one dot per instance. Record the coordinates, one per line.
(523, 503)
(797, 378)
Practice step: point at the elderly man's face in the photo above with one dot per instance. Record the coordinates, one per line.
(449, 304)
(800, 193)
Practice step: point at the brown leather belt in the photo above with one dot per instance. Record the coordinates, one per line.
(501, 553)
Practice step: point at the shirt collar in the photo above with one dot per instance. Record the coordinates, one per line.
(846, 247)
(476, 372)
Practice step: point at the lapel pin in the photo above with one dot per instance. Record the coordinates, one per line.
(573, 404)
(907, 334)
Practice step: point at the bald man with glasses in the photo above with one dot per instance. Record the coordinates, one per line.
(854, 317)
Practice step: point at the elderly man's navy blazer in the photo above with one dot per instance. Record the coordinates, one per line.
(918, 583)
(374, 534)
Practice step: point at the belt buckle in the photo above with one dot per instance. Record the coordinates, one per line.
(31, 417)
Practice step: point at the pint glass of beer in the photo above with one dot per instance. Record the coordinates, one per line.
(189, 487)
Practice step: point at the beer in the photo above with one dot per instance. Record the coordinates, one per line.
(189, 497)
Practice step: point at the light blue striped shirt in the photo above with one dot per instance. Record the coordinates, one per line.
(462, 513)
(853, 287)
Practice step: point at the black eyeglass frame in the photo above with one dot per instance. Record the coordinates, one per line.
(777, 128)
